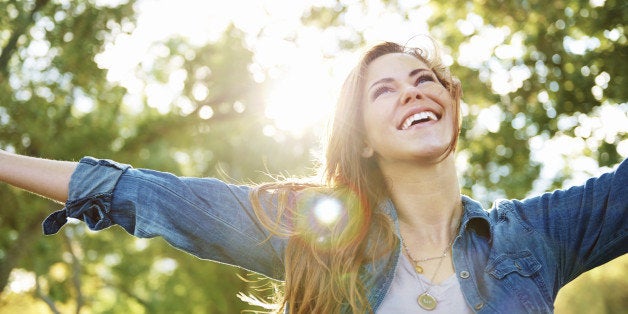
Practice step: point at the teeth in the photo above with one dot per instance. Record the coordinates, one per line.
(418, 117)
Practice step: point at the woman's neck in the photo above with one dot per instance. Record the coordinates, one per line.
(427, 199)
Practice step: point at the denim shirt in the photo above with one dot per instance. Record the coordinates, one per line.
(512, 258)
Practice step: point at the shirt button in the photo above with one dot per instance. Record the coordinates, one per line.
(479, 306)
(464, 274)
(517, 265)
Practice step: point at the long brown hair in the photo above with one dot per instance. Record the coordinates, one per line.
(323, 261)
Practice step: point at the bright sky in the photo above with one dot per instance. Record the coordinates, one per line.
(305, 93)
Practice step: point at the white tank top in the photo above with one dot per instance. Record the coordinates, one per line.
(405, 290)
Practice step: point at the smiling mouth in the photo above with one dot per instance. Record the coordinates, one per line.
(420, 117)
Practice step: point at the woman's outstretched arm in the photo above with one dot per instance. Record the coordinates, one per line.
(48, 178)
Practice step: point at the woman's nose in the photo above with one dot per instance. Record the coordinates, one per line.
(410, 93)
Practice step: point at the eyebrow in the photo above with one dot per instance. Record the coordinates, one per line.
(390, 79)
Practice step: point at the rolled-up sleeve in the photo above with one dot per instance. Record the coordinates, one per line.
(89, 198)
(202, 216)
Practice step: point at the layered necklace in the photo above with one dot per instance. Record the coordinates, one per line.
(425, 299)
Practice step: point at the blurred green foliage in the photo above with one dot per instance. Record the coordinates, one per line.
(110, 272)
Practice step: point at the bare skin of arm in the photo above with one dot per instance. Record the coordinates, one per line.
(45, 177)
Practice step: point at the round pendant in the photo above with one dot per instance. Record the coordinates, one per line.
(418, 269)
(427, 302)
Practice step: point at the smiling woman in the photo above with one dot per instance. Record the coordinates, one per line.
(407, 99)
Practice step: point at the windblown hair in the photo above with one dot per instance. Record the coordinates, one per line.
(323, 262)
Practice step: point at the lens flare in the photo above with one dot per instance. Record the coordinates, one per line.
(327, 219)
(327, 210)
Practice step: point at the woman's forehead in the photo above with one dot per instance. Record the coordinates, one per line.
(393, 65)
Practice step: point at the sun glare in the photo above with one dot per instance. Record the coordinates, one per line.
(298, 102)
(327, 210)
(302, 96)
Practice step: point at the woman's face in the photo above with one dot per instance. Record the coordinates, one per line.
(408, 115)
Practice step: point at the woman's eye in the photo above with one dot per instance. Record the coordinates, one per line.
(381, 90)
(424, 78)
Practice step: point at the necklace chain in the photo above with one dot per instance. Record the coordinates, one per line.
(416, 261)
(425, 300)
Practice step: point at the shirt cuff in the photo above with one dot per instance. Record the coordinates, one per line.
(90, 194)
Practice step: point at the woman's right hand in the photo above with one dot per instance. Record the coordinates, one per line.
(45, 177)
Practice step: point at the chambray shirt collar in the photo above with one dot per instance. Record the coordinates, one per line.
(474, 217)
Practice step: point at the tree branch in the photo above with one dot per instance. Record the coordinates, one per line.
(130, 294)
(45, 297)
(76, 271)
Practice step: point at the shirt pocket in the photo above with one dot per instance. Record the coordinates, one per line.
(519, 274)
(522, 263)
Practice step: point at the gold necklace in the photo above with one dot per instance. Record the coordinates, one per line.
(417, 267)
(425, 299)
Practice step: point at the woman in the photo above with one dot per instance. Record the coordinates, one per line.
(401, 238)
